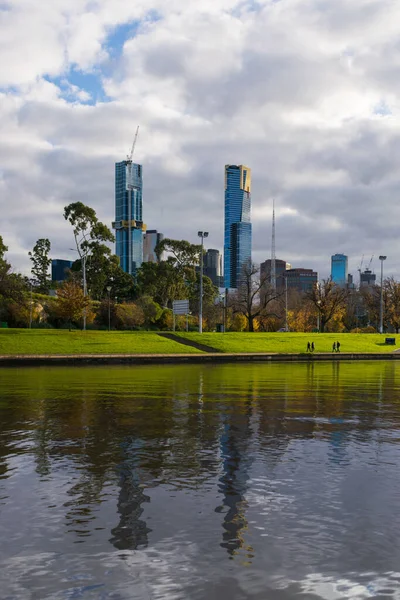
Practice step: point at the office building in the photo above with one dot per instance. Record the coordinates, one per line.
(339, 269)
(128, 222)
(59, 269)
(281, 266)
(301, 280)
(212, 267)
(237, 233)
(150, 240)
(367, 279)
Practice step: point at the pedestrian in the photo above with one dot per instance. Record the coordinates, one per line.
(312, 346)
(308, 347)
(334, 347)
(337, 346)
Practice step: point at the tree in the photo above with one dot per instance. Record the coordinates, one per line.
(329, 299)
(162, 282)
(41, 264)
(90, 235)
(392, 302)
(183, 255)
(129, 316)
(12, 285)
(152, 311)
(248, 299)
(72, 303)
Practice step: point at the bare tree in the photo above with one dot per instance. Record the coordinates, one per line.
(329, 299)
(253, 295)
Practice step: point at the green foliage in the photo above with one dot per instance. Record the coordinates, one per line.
(152, 311)
(129, 316)
(12, 286)
(41, 265)
(102, 267)
(183, 254)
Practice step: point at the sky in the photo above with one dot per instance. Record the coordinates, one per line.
(304, 92)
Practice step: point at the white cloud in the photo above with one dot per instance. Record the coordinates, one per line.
(303, 92)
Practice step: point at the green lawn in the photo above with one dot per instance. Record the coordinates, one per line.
(52, 341)
(293, 342)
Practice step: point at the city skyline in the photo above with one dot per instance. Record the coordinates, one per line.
(315, 115)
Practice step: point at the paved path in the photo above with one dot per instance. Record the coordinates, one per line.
(191, 343)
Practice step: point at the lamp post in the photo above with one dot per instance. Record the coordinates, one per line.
(319, 314)
(30, 306)
(108, 288)
(381, 258)
(202, 235)
(286, 305)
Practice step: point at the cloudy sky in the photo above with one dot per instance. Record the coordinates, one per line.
(305, 92)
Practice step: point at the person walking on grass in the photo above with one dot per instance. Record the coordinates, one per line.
(337, 346)
(334, 347)
(312, 347)
(308, 347)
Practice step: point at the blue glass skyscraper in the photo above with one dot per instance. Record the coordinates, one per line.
(128, 222)
(237, 235)
(339, 269)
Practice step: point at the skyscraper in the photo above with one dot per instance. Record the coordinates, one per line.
(212, 267)
(150, 241)
(237, 236)
(339, 269)
(128, 222)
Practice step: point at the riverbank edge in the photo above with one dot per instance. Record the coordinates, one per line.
(213, 358)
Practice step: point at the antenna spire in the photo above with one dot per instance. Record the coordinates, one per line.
(273, 257)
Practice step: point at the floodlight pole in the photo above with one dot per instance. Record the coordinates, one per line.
(381, 258)
(202, 235)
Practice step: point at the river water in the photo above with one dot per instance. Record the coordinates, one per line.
(234, 482)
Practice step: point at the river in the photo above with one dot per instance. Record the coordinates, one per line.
(234, 482)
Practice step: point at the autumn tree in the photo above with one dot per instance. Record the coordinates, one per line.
(72, 304)
(129, 316)
(254, 295)
(41, 265)
(329, 299)
(392, 297)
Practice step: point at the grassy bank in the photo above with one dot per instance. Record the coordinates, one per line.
(52, 341)
(293, 343)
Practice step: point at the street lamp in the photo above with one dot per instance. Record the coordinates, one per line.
(108, 288)
(286, 304)
(202, 235)
(381, 258)
(319, 314)
(30, 305)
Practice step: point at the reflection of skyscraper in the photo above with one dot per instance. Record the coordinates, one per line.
(233, 482)
(237, 237)
(131, 532)
(128, 215)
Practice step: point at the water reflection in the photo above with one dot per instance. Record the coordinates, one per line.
(288, 471)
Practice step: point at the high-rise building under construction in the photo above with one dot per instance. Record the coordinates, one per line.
(237, 235)
(128, 224)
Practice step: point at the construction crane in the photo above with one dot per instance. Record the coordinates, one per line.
(131, 188)
(130, 156)
(370, 262)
